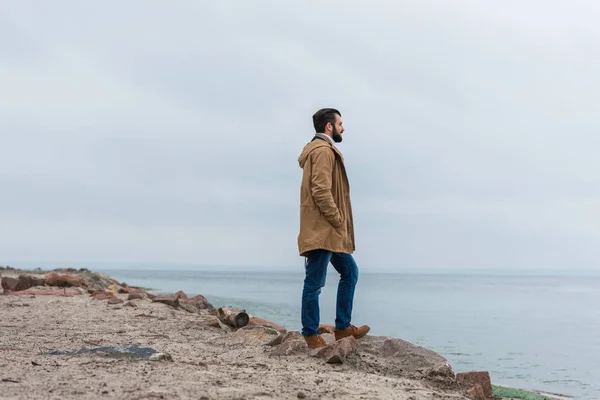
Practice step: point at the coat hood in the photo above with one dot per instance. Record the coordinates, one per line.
(315, 144)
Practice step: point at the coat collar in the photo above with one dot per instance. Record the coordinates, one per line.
(329, 141)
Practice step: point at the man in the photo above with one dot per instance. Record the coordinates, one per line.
(326, 228)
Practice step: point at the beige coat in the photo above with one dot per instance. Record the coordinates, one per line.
(325, 209)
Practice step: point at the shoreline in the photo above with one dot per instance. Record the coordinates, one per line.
(234, 361)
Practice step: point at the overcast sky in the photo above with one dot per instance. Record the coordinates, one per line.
(169, 132)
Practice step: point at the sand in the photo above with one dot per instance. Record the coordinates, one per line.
(208, 362)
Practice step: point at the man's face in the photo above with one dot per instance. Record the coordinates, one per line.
(337, 129)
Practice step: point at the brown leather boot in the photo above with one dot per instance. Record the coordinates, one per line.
(352, 331)
(314, 342)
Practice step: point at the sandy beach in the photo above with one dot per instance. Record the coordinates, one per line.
(198, 356)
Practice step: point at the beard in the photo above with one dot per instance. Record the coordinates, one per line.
(337, 137)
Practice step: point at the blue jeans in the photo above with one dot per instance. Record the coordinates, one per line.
(316, 272)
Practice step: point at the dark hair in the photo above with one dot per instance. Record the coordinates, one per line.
(322, 117)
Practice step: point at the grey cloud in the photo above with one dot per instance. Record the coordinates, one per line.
(146, 132)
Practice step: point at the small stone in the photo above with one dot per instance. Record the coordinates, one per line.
(257, 334)
(135, 296)
(255, 321)
(289, 347)
(301, 395)
(102, 296)
(326, 328)
(115, 300)
(213, 321)
(130, 304)
(293, 335)
(161, 357)
(337, 352)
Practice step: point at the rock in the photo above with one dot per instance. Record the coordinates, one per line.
(114, 289)
(115, 300)
(168, 299)
(326, 328)
(9, 284)
(470, 379)
(405, 359)
(257, 334)
(188, 306)
(289, 343)
(29, 281)
(181, 295)
(131, 304)
(51, 278)
(70, 280)
(293, 335)
(136, 296)
(201, 303)
(66, 280)
(301, 395)
(133, 352)
(160, 357)
(255, 321)
(213, 321)
(337, 352)
(129, 289)
(102, 295)
(476, 392)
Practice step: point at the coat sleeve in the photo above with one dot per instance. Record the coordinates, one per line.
(323, 160)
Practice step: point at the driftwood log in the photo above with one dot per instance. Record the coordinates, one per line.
(233, 316)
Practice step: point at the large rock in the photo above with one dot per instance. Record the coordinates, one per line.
(473, 378)
(9, 284)
(337, 352)
(401, 358)
(255, 321)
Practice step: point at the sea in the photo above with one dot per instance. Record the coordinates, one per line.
(530, 331)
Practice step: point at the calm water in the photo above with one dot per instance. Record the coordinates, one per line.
(531, 332)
